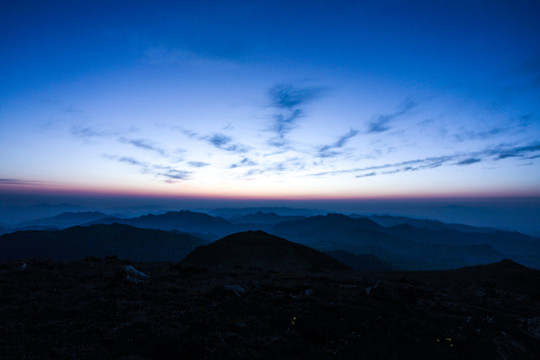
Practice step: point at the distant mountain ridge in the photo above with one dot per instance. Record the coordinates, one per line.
(389, 221)
(264, 218)
(412, 245)
(407, 247)
(79, 242)
(185, 221)
(66, 219)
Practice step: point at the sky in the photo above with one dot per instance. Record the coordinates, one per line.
(271, 99)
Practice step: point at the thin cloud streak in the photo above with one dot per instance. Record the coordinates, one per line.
(144, 144)
(11, 181)
(161, 171)
(328, 150)
(434, 162)
(382, 123)
(198, 164)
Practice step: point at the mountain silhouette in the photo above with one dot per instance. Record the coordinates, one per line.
(65, 220)
(265, 218)
(98, 240)
(259, 249)
(407, 247)
(408, 244)
(185, 221)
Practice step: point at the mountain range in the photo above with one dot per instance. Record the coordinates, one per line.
(396, 242)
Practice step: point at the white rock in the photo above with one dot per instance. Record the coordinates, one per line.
(135, 275)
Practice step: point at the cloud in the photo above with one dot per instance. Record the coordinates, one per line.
(468, 161)
(527, 152)
(328, 150)
(225, 142)
(198, 164)
(519, 151)
(161, 171)
(144, 144)
(288, 102)
(409, 165)
(219, 141)
(11, 181)
(382, 123)
(284, 96)
(516, 124)
(130, 160)
(243, 163)
(88, 132)
(366, 175)
(479, 135)
(174, 174)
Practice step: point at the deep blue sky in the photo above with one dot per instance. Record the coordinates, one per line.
(281, 99)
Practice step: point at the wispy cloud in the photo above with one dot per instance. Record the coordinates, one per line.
(243, 163)
(366, 175)
(171, 173)
(288, 102)
(518, 151)
(87, 132)
(198, 164)
(160, 171)
(479, 135)
(129, 160)
(468, 161)
(144, 144)
(225, 142)
(12, 181)
(515, 124)
(382, 122)
(330, 150)
(526, 152)
(218, 140)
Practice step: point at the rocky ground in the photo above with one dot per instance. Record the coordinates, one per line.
(99, 309)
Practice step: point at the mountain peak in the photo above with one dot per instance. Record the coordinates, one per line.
(259, 249)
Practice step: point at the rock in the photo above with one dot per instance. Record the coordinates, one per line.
(533, 327)
(135, 276)
(235, 288)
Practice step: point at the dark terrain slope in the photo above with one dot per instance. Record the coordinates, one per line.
(259, 249)
(98, 240)
(362, 262)
(90, 310)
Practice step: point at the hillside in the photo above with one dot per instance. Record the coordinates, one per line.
(98, 240)
(261, 250)
(91, 309)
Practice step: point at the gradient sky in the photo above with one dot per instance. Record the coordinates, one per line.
(300, 99)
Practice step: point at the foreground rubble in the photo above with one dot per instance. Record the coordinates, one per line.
(91, 310)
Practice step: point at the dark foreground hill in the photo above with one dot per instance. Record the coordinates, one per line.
(362, 262)
(90, 310)
(98, 240)
(259, 249)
